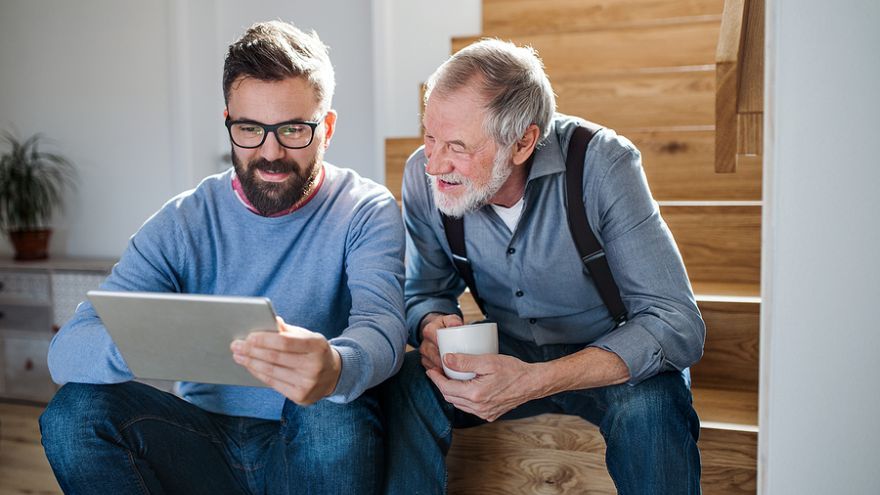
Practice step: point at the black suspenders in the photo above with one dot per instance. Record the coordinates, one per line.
(591, 252)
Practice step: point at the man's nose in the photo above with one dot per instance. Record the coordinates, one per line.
(438, 162)
(271, 150)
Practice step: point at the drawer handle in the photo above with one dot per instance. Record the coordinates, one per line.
(28, 365)
(2, 314)
(2, 285)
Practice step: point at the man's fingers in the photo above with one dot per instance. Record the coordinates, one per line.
(448, 387)
(301, 363)
(289, 390)
(430, 355)
(452, 321)
(274, 370)
(292, 340)
(479, 364)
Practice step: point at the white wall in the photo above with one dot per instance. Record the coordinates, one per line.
(820, 363)
(99, 90)
(411, 39)
(131, 92)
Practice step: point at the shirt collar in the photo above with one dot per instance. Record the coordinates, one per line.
(547, 158)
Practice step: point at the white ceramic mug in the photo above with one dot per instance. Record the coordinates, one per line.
(479, 338)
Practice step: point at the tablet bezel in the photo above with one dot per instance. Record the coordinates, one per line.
(182, 337)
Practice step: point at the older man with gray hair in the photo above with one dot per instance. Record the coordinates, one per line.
(606, 334)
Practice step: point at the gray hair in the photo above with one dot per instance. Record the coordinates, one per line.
(276, 50)
(512, 79)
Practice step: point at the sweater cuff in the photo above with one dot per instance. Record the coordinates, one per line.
(638, 349)
(350, 385)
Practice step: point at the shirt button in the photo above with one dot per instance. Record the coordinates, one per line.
(533, 321)
(519, 293)
(511, 250)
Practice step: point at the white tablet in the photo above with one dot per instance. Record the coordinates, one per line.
(182, 337)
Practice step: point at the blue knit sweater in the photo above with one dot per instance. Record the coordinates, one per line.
(334, 266)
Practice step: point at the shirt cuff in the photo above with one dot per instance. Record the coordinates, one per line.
(638, 349)
(421, 309)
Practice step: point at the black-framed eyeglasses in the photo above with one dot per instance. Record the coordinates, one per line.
(293, 134)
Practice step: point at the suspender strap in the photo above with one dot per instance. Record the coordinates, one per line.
(591, 252)
(454, 228)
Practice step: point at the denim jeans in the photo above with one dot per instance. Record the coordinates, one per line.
(650, 429)
(132, 438)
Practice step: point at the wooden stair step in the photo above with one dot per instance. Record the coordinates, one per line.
(726, 409)
(581, 54)
(554, 453)
(510, 17)
(674, 97)
(749, 292)
(719, 243)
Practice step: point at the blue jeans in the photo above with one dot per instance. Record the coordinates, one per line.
(650, 429)
(132, 438)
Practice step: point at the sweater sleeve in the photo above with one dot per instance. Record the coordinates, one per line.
(372, 345)
(82, 350)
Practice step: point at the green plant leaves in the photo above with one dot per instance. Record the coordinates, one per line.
(32, 183)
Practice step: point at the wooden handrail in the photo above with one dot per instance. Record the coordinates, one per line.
(739, 83)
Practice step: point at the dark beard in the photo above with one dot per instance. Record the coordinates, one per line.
(270, 198)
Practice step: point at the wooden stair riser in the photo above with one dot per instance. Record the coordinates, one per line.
(718, 243)
(642, 100)
(397, 150)
(504, 18)
(731, 353)
(625, 49)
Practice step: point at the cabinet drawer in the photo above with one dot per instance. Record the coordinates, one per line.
(26, 286)
(25, 318)
(25, 369)
(69, 289)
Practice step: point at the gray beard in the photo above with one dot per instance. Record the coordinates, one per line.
(473, 198)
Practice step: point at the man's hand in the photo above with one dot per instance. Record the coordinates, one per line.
(502, 383)
(298, 363)
(428, 349)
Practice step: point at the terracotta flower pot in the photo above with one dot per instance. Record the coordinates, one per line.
(30, 244)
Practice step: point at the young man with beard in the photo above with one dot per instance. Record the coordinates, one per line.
(495, 155)
(325, 245)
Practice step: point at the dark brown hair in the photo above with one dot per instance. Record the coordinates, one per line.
(276, 50)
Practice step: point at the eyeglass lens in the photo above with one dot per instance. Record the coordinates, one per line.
(248, 134)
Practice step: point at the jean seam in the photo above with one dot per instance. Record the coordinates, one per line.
(137, 472)
(160, 419)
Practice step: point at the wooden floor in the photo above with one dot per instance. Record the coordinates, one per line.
(23, 466)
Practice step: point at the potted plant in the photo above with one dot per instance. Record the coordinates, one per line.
(32, 183)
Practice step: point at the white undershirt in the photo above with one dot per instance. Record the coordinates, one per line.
(511, 215)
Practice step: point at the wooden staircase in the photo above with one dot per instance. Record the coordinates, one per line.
(646, 68)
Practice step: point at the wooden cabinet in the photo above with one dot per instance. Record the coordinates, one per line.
(36, 298)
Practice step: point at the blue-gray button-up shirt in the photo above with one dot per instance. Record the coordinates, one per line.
(532, 280)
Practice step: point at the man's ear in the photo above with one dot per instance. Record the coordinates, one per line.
(329, 127)
(525, 145)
